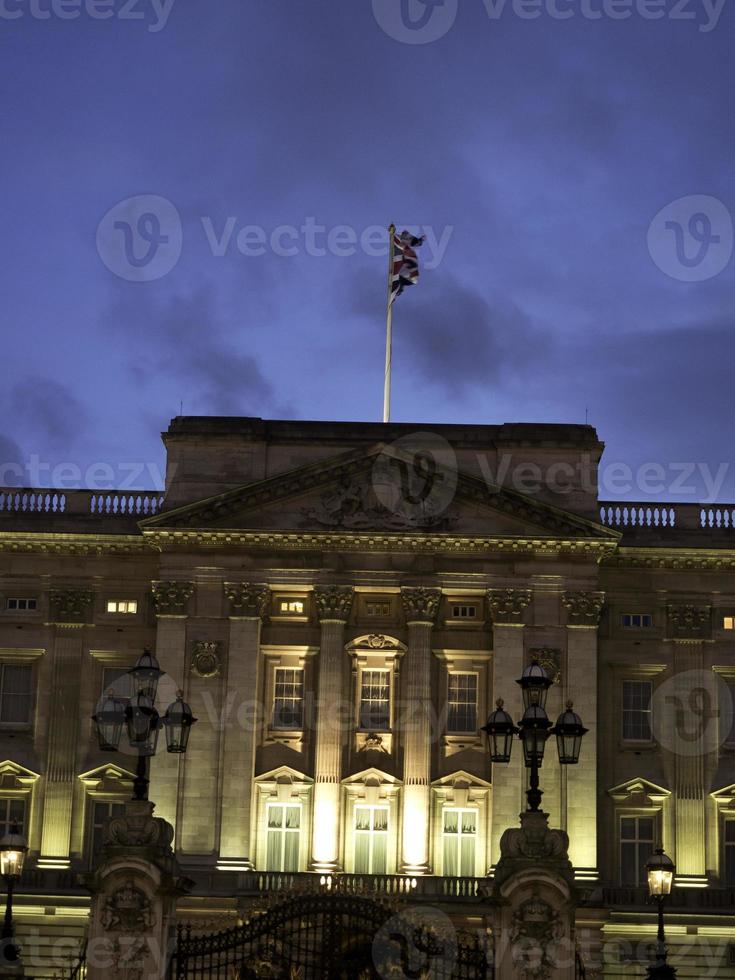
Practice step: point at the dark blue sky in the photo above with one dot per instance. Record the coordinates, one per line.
(543, 148)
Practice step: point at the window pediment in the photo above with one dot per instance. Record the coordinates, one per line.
(639, 789)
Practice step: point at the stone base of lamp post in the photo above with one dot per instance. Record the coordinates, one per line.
(534, 902)
(134, 891)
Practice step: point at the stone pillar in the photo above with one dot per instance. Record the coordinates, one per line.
(132, 926)
(333, 605)
(171, 602)
(534, 903)
(420, 606)
(507, 607)
(70, 611)
(248, 605)
(580, 687)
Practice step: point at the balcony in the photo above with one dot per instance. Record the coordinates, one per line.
(80, 511)
(657, 525)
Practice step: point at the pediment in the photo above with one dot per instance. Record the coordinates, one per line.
(371, 775)
(382, 490)
(459, 779)
(638, 786)
(14, 776)
(107, 777)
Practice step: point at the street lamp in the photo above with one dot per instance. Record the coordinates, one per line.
(660, 873)
(13, 850)
(142, 721)
(533, 729)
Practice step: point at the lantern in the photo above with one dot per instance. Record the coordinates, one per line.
(178, 721)
(499, 732)
(660, 871)
(146, 675)
(569, 731)
(109, 721)
(13, 850)
(535, 684)
(143, 724)
(535, 727)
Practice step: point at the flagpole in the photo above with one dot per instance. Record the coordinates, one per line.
(388, 329)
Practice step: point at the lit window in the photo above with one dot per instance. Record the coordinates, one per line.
(288, 702)
(637, 711)
(371, 840)
(462, 703)
(637, 620)
(375, 700)
(118, 681)
(637, 837)
(126, 607)
(283, 837)
(729, 842)
(291, 607)
(100, 813)
(377, 609)
(21, 605)
(464, 611)
(459, 837)
(12, 811)
(15, 694)
(728, 623)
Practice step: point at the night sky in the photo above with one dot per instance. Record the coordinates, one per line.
(546, 144)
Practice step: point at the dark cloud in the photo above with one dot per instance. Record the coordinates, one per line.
(47, 412)
(12, 463)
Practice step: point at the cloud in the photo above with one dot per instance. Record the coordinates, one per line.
(48, 414)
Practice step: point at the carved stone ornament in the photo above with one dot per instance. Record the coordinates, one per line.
(205, 659)
(127, 910)
(374, 743)
(172, 598)
(70, 606)
(689, 621)
(334, 602)
(583, 608)
(550, 659)
(536, 927)
(376, 641)
(508, 605)
(139, 828)
(420, 605)
(533, 844)
(248, 598)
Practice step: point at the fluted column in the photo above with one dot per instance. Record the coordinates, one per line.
(243, 717)
(420, 607)
(580, 682)
(333, 605)
(507, 607)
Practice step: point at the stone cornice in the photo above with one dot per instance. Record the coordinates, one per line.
(83, 545)
(680, 559)
(334, 602)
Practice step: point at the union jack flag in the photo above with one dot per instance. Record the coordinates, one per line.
(405, 264)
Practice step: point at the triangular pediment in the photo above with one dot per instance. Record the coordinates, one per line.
(382, 489)
(106, 776)
(460, 777)
(371, 775)
(638, 786)
(15, 776)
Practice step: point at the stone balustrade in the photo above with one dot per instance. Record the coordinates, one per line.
(630, 516)
(39, 505)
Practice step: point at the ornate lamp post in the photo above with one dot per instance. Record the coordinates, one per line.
(533, 729)
(13, 850)
(660, 872)
(142, 721)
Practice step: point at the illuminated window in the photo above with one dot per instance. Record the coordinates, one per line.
(459, 836)
(637, 711)
(464, 610)
(118, 681)
(127, 607)
(637, 620)
(288, 701)
(728, 623)
(15, 694)
(291, 607)
(375, 700)
(12, 811)
(21, 605)
(283, 836)
(100, 813)
(378, 610)
(371, 839)
(637, 841)
(729, 856)
(462, 703)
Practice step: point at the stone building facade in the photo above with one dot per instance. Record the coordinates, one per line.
(342, 603)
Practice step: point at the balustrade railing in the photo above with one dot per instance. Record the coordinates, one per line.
(90, 503)
(637, 516)
(434, 886)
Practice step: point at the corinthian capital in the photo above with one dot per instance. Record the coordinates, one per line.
(583, 608)
(689, 622)
(172, 598)
(70, 607)
(508, 605)
(334, 602)
(420, 605)
(247, 599)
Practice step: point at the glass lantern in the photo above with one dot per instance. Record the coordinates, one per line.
(660, 872)
(535, 727)
(178, 721)
(569, 731)
(146, 675)
(500, 732)
(13, 850)
(143, 724)
(109, 721)
(535, 684)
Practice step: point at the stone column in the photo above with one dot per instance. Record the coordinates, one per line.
(70, 611)
(420, 606)
(242, 720)
(333, 605)
(507, 607)
(171, 602)
(580, 687)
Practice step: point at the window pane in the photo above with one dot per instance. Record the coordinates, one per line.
(637, 710)
(375, 700)
(15, 702)
(12, 811)
(288, 703)
(462, 703)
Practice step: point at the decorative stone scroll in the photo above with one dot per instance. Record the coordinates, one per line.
(420, 604)
(689, 622)
(205, 659)
(508, 605)
(70, 607)
(247, 599)
(172, 598)
(583, 608)
(334, 602)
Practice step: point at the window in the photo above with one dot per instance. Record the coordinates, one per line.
(15, 694)
(378, 610)
(100, 813)
(119, 681)
(728, 622)
(284, 828)
(288, 702)
(464, 611)
(291, 607)
(462, 703)
(637, 711)
(12, 811)
(375, 700)
(371, 839)
(127, 607)
(729, 856)
(636, 620)
(637, 836)
(21, 605)
(459, 837)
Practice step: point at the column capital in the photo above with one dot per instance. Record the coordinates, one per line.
(689, 622)
(172, 598)
(70, 607)
(248, 600)
(420, 605)
(583, 608)
(334, 602)
(508, 605)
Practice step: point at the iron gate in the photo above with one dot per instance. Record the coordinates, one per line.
(332, 937)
